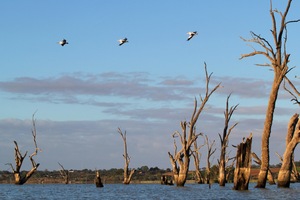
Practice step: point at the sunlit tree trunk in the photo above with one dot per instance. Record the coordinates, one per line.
(292, 139)
(180, 161)
(278, 62)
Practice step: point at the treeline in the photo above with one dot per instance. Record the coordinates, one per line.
(144, 174)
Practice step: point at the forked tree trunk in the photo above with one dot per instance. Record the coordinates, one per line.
(292, 139)
(278, 62)
(180, 161)
(210, 152)
(127, 174)
(224, 141)
(243, 165)
(98, 181)
(19, 158)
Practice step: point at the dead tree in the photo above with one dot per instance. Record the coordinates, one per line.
(180, 161)
(292, 139)
(224, 141)
(127, 174)
(98, 181)
(270, 176)
(278, 62)
(210, 152)
(64, 173)
(243, 165)
(20, 179)
(230, 169)
(197, 156)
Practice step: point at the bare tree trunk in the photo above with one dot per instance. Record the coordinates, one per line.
(180, 161)
(197, 156)
(64, 173)
(292, 139)
(210, 152)
(98, 181)
(243, 165)
(224, 142)
(19, 179)
(278, 58)
(127, 174)
(270, 175)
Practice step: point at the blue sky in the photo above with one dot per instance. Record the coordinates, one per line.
(87, 89)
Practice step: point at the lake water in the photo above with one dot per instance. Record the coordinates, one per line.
(143, 191)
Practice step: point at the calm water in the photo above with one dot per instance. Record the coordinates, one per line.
(143, 191)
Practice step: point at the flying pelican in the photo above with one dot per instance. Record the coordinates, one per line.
(63, 42)
(191, 35)
(122, 41)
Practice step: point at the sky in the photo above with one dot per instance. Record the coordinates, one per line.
(83, 92)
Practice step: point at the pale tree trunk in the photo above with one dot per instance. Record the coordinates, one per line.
(292, 139)
(278, 59)
(64, 173)
(19, 158)
(243, 165)
(210, 152)
(224, 142)
(197, 156)
(127, 173)
(270, 175)
(180, 161)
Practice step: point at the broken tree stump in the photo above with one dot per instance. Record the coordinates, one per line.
(243, 165)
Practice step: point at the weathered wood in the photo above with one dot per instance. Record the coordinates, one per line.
(243, 165)
(292, 139)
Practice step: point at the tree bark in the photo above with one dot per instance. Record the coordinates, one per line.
(243, 165)
(292, 139)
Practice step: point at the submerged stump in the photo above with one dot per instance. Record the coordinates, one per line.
(98, 181)
(243, 165)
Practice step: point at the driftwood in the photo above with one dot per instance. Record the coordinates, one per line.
(243, 165)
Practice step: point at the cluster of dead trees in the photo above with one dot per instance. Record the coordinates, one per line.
(278, 62)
